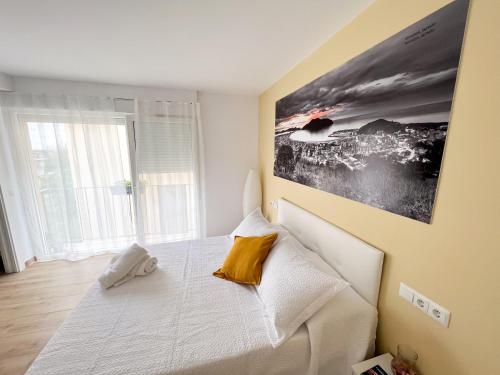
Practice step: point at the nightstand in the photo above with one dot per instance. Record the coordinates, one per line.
(383, 361)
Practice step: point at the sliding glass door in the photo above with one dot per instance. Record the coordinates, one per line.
(93, 179)
(164, 176)
(82, 177)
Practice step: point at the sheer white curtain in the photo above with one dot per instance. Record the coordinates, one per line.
(168, 171)
(93, 179)
(72, 165)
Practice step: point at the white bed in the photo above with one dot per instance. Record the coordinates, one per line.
(182, 320)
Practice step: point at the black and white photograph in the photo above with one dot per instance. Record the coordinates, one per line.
(374, 129)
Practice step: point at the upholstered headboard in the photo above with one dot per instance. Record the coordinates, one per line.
(356, 261)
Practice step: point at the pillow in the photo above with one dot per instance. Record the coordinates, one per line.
(316, 259)
(292, 289)
(255, 224)
(244, 262)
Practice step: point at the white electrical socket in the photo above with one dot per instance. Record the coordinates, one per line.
(421, 302)
(439, 313)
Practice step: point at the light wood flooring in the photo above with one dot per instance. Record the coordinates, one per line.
(33, 304)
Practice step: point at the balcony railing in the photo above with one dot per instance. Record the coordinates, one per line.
(104, 218)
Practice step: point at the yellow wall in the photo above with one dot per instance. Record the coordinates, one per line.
(456, 259)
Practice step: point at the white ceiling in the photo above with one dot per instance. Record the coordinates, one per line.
(239, 46)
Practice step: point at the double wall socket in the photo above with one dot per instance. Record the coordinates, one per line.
(424, 304)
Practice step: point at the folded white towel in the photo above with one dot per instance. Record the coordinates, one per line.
(145, 267)
(121, 267)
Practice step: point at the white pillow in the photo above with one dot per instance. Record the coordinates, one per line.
(256, 225)
(317, 260)
(292, 289)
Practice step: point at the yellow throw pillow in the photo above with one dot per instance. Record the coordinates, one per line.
(244, 262)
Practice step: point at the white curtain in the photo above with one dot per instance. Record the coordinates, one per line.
(169, 171)
(90, 178)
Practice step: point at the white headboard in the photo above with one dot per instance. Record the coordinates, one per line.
(356, 261)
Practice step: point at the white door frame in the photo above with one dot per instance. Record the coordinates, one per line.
(7, 250)
(131, 134)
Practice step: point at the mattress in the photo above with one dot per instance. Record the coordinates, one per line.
(182, 320)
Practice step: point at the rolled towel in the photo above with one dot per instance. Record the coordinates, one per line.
(132, 272)
(145, 267)
(121, 267)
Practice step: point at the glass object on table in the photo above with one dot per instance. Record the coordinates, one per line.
(405, 361)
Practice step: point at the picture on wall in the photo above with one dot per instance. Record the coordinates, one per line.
(374, 129)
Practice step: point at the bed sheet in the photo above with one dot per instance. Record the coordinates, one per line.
(182, 320)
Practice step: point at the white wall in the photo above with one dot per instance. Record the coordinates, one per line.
(230, 124)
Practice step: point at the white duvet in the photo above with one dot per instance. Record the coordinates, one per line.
(182, 320)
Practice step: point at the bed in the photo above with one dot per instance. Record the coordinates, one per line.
(182, 320)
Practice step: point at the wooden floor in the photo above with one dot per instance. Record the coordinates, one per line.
(33, 304)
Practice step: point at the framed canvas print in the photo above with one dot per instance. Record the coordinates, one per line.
(374, 129)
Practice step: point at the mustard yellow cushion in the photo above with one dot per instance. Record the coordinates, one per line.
(244, 262)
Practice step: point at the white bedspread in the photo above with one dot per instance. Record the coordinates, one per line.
(182, 320)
